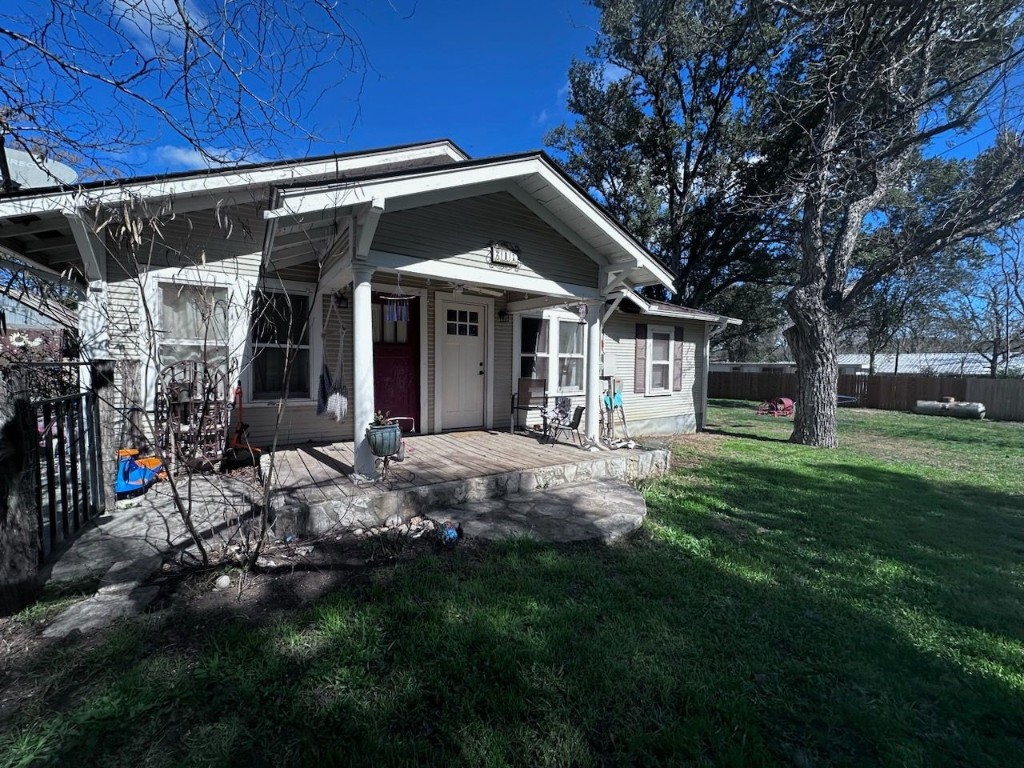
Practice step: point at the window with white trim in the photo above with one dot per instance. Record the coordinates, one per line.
(194, 324)
(659, 360)
(280, 345)
(553, 346)
(571, 360)
(533, 352)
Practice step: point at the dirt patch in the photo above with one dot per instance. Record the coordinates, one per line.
(293, 574)
(735, 530)
(688, 451)
(290, 575)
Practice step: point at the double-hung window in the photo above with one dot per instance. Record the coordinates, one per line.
(553, 346)
(571, 365)
(280, 346)
(533, 353)
(659, 360)
(194, 325)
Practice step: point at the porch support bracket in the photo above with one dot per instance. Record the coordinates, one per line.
(93, 313)
(613, 306)
(615, 276)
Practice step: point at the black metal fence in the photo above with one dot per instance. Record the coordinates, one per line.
(67, 464)
(68, 472)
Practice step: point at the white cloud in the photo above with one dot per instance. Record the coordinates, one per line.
(190, 158)
(157, 23)
(181, 158)
(613, 72)
(563, 92)
(542, 118)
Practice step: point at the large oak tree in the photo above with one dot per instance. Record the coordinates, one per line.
(866, 89)
(748, 141)
(668, 107)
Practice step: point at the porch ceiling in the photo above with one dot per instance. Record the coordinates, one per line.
(44, 239)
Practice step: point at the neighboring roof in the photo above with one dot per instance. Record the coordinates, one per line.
(18, 314)
(533, 178)
(940, 363)
(664, 309)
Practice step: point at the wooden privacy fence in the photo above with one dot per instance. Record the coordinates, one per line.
(1003, 398)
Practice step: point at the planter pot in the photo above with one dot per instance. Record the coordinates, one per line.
(384, 440)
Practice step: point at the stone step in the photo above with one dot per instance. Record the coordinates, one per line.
(380, 506)
(601, 509)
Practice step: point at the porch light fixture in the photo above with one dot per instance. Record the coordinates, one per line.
(503, 316)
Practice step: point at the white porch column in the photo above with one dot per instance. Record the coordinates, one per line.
(362, 363)
(593, 412)
(93, 331)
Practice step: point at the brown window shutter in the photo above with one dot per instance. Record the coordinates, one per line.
(640, 368)
(677, 360)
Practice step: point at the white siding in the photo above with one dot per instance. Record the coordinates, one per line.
(227, 245)
(460, 233)
(652, 414)
(503, 357)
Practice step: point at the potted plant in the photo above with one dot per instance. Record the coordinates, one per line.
(383, 434)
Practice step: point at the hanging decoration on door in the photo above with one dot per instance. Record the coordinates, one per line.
(396, 305)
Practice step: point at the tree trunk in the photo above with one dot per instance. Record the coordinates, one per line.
(19, 535)
(812, 337)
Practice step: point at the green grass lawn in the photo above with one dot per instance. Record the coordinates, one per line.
(783, 605)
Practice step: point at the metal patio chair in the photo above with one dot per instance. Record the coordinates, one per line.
(531, 395)
(561, 422)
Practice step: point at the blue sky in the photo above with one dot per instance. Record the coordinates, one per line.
(490, 76)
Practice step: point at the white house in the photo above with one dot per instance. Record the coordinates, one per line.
(435, 279)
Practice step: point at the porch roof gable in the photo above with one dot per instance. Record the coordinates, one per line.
(676, 311)
(533, 179)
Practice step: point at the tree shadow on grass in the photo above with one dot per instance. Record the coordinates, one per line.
(746, 405)
(746, 436)
(803, 630)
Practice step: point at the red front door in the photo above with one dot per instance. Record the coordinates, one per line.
(396, 361)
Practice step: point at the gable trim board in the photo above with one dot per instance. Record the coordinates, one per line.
(534, 173)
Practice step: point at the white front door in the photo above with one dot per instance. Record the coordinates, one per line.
(463, 357)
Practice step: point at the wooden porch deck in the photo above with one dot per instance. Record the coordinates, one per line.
(318, 473)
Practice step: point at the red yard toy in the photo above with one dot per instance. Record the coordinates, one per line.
(777, 406)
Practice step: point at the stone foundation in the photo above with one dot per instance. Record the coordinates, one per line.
(380, 507)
